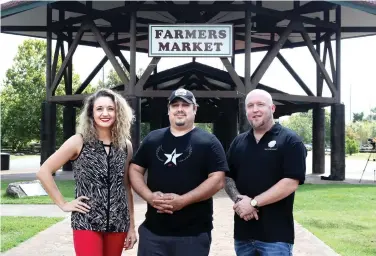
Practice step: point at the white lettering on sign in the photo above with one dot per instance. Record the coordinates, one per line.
(191, 40)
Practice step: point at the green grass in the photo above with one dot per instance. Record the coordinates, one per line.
(13, 157)
(360, 156)
(343, 216)
(15, 230)
(66, 187)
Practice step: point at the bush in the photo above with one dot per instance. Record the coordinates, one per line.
(351, 146)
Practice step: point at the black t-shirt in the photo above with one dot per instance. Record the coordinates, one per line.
(179, 165)
(257, 167)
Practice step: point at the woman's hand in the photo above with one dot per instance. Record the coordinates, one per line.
(76, 205)
(131, 239)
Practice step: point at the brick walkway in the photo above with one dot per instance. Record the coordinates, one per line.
(57, 240)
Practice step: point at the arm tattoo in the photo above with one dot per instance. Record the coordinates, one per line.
(230, 189)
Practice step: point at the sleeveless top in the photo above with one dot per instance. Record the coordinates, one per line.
(100, 177)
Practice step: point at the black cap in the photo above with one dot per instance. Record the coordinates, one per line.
(183, 94)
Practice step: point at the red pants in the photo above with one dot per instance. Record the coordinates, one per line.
(92, 243)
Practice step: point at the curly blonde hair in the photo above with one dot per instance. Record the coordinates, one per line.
(120, 130)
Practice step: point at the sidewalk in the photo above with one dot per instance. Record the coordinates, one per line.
(26, 168)
(57, 240)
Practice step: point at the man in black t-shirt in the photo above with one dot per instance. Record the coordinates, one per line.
(186, 167)
(267, 163)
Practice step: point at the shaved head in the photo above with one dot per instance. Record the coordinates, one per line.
(260, 94)
(260, 109)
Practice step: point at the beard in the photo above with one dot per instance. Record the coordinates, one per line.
(257, 125)
(261, 123)
(179, 122)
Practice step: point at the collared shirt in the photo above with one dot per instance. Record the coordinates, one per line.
(100, 177)
(256, 167)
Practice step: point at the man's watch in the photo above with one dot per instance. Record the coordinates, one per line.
(254, 203)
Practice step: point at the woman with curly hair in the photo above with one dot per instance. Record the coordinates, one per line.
(102, 216)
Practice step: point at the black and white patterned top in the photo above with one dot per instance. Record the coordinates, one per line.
(100, 177)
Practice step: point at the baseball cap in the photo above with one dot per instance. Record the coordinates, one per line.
(183, 94)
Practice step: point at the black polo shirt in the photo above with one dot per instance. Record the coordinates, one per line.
(256, 167)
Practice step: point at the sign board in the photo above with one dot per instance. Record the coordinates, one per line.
(191, 40)
(33, 189)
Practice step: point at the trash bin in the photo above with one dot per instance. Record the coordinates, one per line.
(5, 158)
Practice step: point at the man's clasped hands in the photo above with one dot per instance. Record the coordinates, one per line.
(170, 202)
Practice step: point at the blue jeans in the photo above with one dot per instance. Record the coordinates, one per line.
(151, 244)
(255, 247)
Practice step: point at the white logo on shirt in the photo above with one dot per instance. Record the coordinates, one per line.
(172, 157)
(271, 145)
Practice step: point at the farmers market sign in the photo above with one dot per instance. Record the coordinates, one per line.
(190, 40)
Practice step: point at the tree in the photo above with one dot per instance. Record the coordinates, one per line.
(24, 89)
(372, 115)
(358, 117)
(301, 123)
(351, 146)
(363, 130)
(205, 126)
(113, 78)
(145, 129)
(23, 92)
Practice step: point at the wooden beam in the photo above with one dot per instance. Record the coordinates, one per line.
(331, 59)
(133, 45)
(56, 58)
(268, 29)
(145, 76)
(338, 57)
(92, 75)
(48, 62)
(301, 98)
(69, 98)
(66, 73)
(238, 82)
(248, 86)
(70, 53)
(291, 16)
(294, 74)
(121, 57)
(106, 48)
(317, 59)
(198, 94)
(320, 86)
(271, 54)
(203, 94)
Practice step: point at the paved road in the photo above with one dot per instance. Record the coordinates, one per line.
(25, 168)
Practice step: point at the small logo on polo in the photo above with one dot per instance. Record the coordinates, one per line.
(272, 143)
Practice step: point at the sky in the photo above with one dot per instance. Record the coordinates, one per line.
(358, 74)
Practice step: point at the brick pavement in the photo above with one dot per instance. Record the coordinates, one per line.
(57, 240)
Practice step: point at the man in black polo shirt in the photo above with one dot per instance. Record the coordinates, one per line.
(186, 167)
(267, 163)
